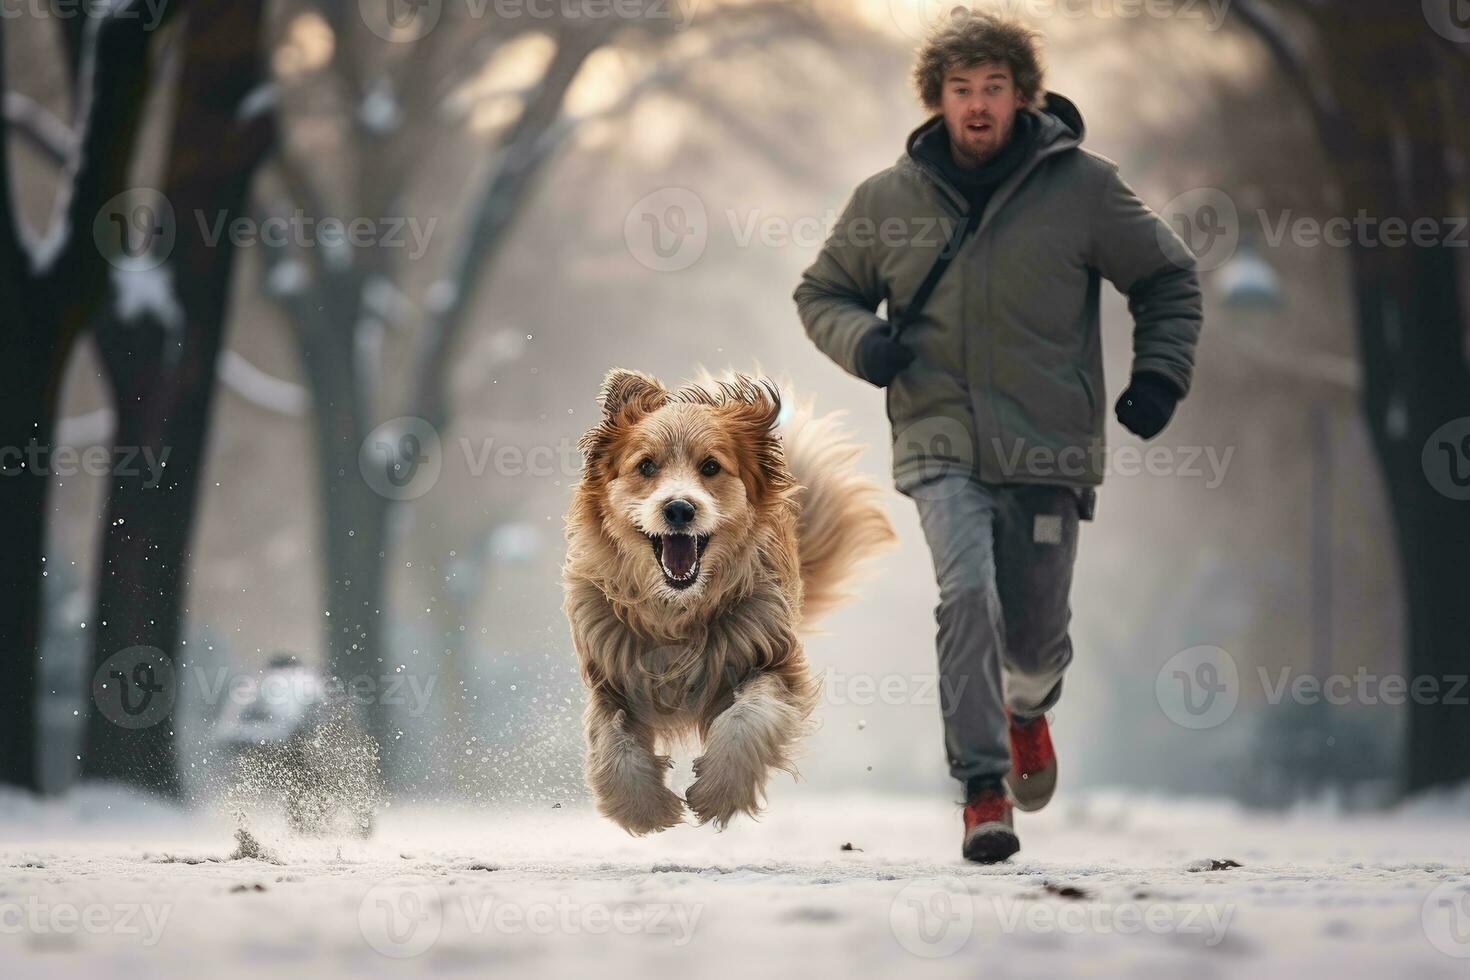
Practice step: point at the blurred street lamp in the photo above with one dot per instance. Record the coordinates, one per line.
(1250, 287)
(1249, 284)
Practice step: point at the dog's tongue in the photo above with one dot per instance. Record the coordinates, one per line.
(679, 554)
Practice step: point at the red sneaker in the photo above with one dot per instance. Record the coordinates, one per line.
(1033, 775)
(989, 837)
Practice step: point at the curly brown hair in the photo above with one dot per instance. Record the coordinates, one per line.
(968, 38)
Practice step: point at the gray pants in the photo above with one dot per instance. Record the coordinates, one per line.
(1003, 555)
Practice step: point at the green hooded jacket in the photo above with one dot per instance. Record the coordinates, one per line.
(1007, 380)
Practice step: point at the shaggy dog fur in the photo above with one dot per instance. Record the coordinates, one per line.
(701, 540)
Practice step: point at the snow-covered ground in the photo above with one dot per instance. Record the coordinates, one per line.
(97, 885)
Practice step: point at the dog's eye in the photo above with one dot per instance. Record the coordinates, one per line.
(709, 467)
(647, 467)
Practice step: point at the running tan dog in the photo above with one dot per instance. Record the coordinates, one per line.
(701, 539)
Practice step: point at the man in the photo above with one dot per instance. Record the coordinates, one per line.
(993, 374)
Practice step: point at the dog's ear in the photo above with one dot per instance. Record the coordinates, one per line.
(751, 409)
(625, 396)
(624, 389)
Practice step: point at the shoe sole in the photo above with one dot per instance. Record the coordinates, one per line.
(1031, 793)
(990, 843)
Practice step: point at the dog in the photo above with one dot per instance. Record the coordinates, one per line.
(702, 538)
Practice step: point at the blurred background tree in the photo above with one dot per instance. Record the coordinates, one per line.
(55, 282)
(1388, 95)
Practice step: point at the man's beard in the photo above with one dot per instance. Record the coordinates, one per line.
(975, 150)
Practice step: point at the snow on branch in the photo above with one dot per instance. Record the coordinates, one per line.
(140, 293)
(45, 133)
(259, 388)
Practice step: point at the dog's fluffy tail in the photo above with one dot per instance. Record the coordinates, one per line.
(842, 520)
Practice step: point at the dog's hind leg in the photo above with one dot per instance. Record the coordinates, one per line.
(626, 777)
(754, 735)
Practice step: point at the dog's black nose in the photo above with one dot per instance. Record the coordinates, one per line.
(679, 514)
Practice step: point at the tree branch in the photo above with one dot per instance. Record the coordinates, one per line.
(1266, 24)
(43, 132)
(522, 151)
(113, 83)
(533, 140)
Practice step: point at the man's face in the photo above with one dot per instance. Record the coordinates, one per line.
(979, 104)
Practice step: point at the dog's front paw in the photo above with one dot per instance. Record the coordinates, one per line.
(719, 793)
(657, 810)
(627, 780)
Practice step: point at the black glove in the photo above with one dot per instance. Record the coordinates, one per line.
(880, 358)
(1146, 404)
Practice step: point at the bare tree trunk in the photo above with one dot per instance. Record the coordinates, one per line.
(1411, 338)
(51, 291)
(1392, 149)
(162, 369)
(354, 516)
(28, 412)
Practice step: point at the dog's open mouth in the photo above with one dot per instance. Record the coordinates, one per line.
(678, 556)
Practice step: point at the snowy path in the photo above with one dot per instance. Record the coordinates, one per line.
(90, 892)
